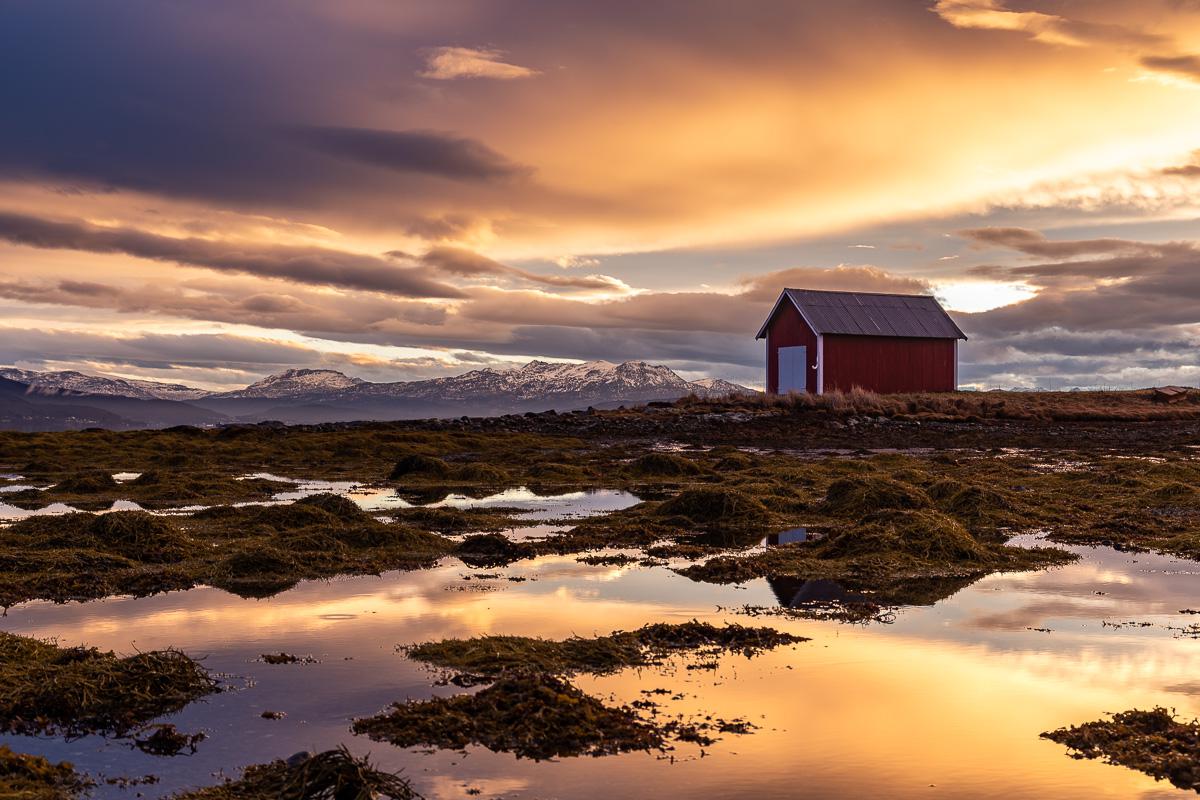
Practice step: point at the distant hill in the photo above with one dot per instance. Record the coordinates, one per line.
(54, 400)
(28, 408)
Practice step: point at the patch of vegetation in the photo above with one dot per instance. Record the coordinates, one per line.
(487, 657)
(707, 506)
(420, 466)
(331, 775)
(861, 496)
(74, 691)
(663, 465)
(532, 715)
(1153, 742)
(883, 547)
(35, 778)
(253, 551)
(492, 550)
(154, 489)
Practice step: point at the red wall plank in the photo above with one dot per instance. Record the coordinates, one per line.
(889, 364)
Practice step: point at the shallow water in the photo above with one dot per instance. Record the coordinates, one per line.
(947, 701)
(532, 506)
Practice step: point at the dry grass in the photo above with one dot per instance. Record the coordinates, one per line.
(1122, 406)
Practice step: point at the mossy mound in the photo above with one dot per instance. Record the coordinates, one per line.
(341, 508)
(925, 535)
(536, 716)
(492, 550)
(46, 689)
(482, 473)
(1173, 494)
(705, 506)
(331, 775)
(419, 466)
(859, 496)
(86, 483)
(567, 473)
(1153, 742)
(131, 534)
(663, 465)
(295, 515)
(35, 778)
(734, 462)
(139, 535)
(980, 506)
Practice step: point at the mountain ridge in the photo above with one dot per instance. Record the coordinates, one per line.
(324, 395)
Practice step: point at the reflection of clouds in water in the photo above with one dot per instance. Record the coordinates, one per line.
(9, 513)
(444, 787)
(952, 694)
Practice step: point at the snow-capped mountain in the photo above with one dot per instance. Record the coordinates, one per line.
(322, 395)
(77, 382)
(607, 382)
(296, 383)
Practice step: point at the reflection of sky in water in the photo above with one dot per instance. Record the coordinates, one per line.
(951, 695)
(379, 499)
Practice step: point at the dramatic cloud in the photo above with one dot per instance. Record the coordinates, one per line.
(1188, 66)
(1035, 243)
(426, 152)
(405, 181)
(448, 63)
(303, 265)
(462, 262)
(1131, 318)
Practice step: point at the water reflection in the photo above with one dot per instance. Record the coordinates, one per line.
(952, 695)
(790, 536)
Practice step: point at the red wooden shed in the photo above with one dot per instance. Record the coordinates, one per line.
(820, 341)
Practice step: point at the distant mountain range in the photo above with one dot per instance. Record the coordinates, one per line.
(32, 400)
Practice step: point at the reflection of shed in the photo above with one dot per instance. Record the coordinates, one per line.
(820, 341)
(796, 592)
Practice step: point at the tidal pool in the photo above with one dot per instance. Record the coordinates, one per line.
(948, 701)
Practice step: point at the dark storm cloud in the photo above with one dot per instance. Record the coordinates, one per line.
(209, 100)
(427, 152)
(300, 264)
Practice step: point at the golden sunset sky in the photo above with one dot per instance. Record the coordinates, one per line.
(208, 192)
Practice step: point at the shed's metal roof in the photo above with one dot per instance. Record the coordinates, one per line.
(869, 314)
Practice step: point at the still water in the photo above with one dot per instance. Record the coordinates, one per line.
(946, 702)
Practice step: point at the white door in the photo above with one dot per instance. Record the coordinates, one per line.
(793, 369)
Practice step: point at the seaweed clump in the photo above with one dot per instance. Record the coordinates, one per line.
(331, 775)
(861, 496)
(1153, 742)
(487, 657)
(666, 465)
(884, 547)
(492, 550)
(74, 691)
(532, 715)
(35, 778)
(419, 466)
(716, 506)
